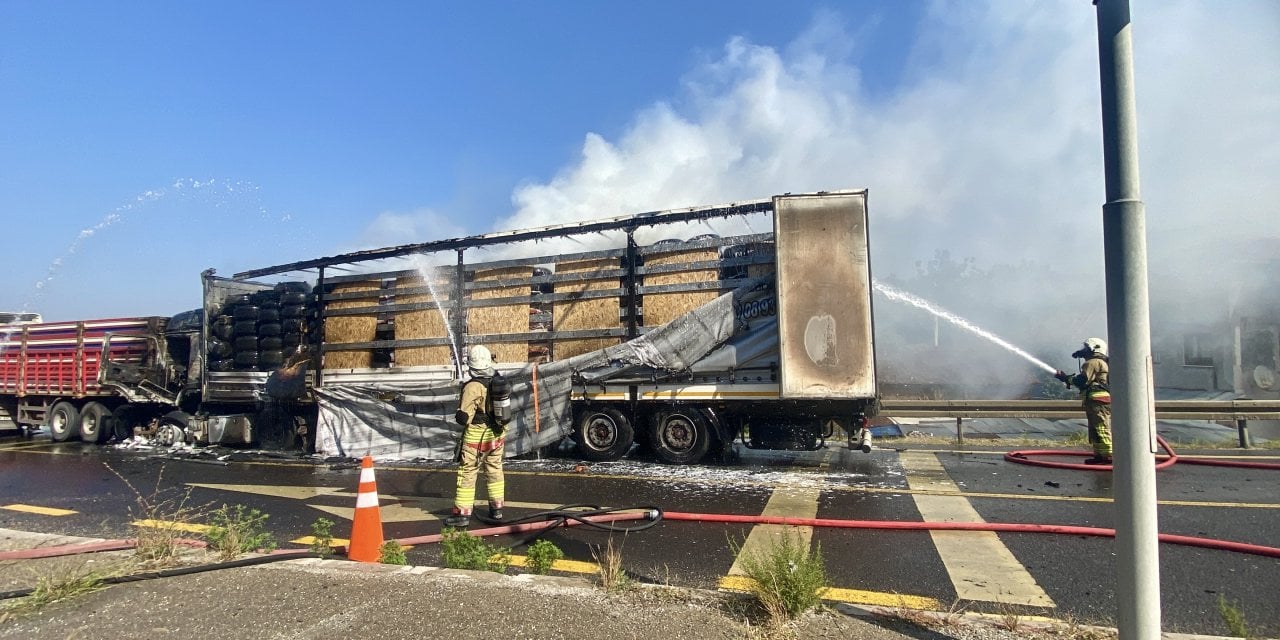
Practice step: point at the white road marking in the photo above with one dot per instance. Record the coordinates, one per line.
(980, 566)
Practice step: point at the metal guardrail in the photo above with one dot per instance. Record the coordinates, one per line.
(1068, 409)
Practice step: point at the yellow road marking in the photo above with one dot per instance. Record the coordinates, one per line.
(980, 566)
(24, 446)
(333, 542)
(172, 526)
(568, 566)
(852, 596)
(44, 511)
(786, 503)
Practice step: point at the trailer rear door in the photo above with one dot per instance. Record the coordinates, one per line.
(824, 296)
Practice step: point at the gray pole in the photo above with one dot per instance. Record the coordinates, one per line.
(1129, 329)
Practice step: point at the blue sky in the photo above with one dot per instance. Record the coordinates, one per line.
(146, 141)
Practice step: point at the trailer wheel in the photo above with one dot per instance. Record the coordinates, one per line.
(64, 421)
(679, 437)
(95, 422)
(603, 434)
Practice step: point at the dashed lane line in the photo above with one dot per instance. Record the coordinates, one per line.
(170, 525)
(44, 511)
(802, 502)
(980, 566)
(744, 584)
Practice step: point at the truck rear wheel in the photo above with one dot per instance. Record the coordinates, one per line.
(679, 437)
(95, 420)
(603, 434)
(64, 421)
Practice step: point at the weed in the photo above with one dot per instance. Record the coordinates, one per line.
(612, 576)
(1232, 616)
(59, 585)
(168, 514)
(236, 530)
(322, 536)
(1077, 437)
(1010, 620)
(462, 550)
(391, 552)
(543, 554)
(788, 578)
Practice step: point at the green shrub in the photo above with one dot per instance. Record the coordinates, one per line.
(789, 580)
(236, 530)
(322, 536)
(543, 554)
(392, 553)
(464, 551)
(1233, 617)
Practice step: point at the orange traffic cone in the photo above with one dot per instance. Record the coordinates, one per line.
(366, 526)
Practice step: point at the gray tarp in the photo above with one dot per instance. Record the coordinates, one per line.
(415, 421)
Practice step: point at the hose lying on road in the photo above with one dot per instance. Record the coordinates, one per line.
(1207, 543)
(570, 515)
(182, 571)
(1163, 462)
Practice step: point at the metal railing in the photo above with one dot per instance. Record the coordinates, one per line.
(1241, 411)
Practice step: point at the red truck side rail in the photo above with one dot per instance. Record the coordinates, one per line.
(62, 358)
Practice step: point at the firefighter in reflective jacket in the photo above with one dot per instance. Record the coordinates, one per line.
(482, 443)
(1092, 381)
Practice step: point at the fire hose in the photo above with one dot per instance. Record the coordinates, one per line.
(1162, 461)
(540, 523)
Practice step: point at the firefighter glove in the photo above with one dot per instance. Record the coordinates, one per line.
(461, 418)
(1061, 375)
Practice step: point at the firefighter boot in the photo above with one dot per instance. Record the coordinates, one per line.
(458, 520)
(495, 512)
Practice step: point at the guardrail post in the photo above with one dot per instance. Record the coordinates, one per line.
(959, 430)
(1242, 426)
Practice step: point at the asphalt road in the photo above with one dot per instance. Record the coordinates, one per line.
(1036, 574)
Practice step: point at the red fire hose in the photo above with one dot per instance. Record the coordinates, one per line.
(1163, 462)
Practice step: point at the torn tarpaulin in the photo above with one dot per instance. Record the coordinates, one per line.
(416, 420)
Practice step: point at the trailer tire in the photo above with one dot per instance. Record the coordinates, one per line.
(270, 343)
(270, 359)
(63, 421)
(245, 312)
(95, 423)
(293, 298)
(247, 359)
(246, 327)
(269, 314)
(271, 329)
(246, 343)
(679, 437)
(603, 434)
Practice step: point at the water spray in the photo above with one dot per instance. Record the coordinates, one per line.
(898, 295)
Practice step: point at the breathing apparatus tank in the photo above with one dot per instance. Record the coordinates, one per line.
(500, 400)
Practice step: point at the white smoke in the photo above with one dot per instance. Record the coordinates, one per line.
(990, 146)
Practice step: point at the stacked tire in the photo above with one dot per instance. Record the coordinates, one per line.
(256, 330)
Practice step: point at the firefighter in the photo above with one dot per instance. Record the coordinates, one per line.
(1095, 394)
(482, 442)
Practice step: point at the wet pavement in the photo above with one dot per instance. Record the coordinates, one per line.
(1076, 573)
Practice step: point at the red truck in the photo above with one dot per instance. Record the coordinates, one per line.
(49, 373)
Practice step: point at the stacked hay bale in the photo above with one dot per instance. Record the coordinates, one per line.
(421, 324)
(592, 313)
(501, 319)
(661, 308)
(350, 329)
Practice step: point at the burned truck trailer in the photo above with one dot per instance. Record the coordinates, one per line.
(682, 346)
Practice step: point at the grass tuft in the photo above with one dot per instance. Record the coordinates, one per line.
(237, 530)
(392, 552)
(1232, 616)
(461, 550)
(612, 576)
(542, 554)
(789, 579)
